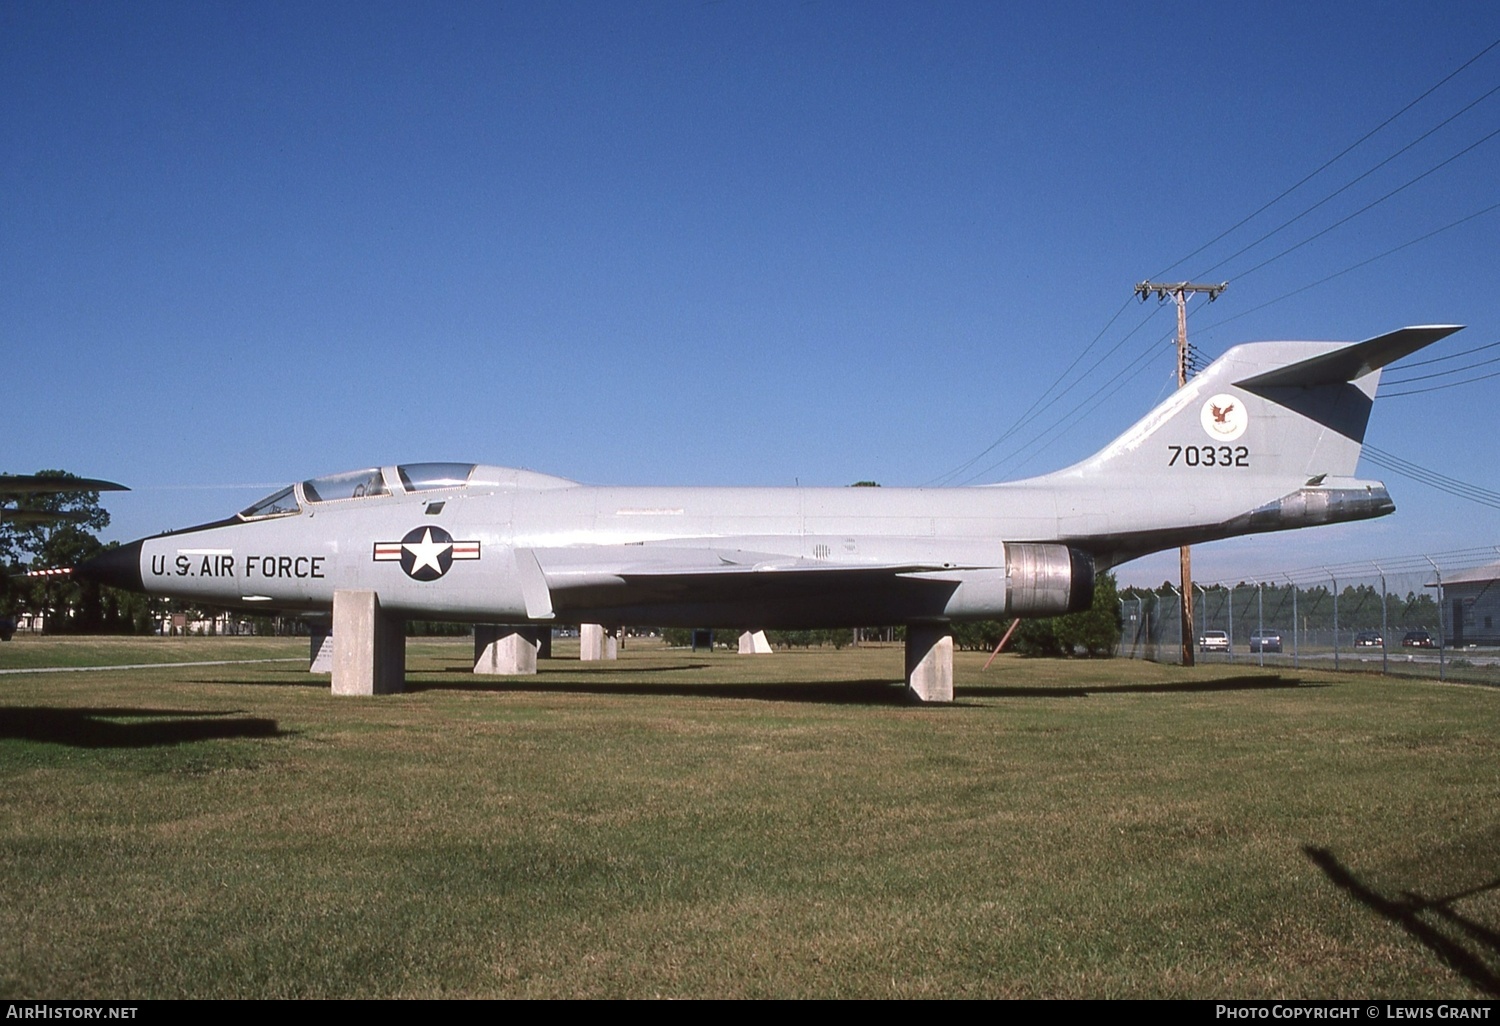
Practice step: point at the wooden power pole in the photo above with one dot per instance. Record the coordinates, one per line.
(1179, 291)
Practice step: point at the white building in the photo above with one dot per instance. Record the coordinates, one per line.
(1471, 606)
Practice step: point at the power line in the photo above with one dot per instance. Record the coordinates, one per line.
(1039, 405)
(1369, 206)
(1450, 356)
(1349, 184)
(1194, 361)
(1329, 163)
(1403, 466)
(1439, 374)
(1355, 267)
(1452, 486)
(1063, 423)
(1438, 388)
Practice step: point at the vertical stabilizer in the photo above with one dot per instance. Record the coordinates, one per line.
(1266, 438)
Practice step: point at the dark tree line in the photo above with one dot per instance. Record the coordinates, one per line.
(1358, 607)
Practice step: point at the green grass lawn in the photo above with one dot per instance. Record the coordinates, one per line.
(681, 824)
(26, 651)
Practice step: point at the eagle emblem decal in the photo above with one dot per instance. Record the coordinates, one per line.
(1224, 418)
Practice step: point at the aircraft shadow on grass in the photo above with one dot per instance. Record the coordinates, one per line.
(1186, 687)
(879, 691)
(304, 679)
(883, 691)
(142, 728)
(602, 667)
(1470, 948)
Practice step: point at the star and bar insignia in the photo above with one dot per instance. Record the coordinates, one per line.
(426, 553)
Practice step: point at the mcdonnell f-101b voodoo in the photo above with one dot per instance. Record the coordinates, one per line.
(1265, 439)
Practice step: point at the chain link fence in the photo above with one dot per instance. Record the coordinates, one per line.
(1430, 616)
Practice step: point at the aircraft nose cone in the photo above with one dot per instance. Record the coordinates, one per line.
(119, 568)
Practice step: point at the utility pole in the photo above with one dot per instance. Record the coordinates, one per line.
(1179, 291)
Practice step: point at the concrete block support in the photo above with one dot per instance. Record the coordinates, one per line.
(369, 646)
(506, 650)
(595, 641)
(754, 643)
(929, 662)
(320, 652)
(544, 642)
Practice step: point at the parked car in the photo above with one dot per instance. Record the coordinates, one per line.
(1265, 640)
(1418, 639)
(1213, 641)
(1368, 639)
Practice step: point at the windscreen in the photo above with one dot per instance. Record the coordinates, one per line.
(275, 505)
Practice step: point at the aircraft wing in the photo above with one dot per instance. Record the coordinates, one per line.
(555, 581)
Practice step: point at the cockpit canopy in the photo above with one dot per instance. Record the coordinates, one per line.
(362, 484)
(424, 477)
(356, 484)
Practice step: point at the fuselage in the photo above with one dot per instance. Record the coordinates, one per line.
(1266, 438)
(494, 544)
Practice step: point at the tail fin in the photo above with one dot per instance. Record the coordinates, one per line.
(1266, 438)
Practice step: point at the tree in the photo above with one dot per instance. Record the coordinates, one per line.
(78, 509)
(72, 605)
(64, 542)
(1037, 638)
(978, 635)
(1094, 632)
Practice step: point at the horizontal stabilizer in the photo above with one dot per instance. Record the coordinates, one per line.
(1352, 362)
(36, 484)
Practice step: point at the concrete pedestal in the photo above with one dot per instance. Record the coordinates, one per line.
(320, 652)
(369, 646)
(506, 650)
(929, 662)
(754, 643)
(595, 641)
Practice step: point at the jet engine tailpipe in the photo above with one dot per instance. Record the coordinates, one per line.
(1045, 580)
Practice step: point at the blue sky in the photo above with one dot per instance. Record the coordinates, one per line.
(715, 243)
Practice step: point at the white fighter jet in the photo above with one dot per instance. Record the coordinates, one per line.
(1265, 439)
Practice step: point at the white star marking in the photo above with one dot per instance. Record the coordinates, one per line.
(427, 551)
